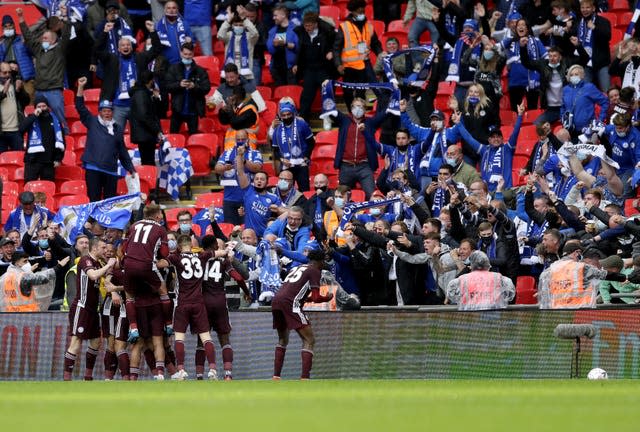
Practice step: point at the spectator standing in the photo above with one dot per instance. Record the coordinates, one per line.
(98, 10)
(422, 9)
(240, 112)
(13, 50)
(50, 53)
(251, 12)
(145, 121)
(173, 32)
(197, 13)
(13, 99)
(579, 99)
(45, 142)
(105, 146)
(188, 85)
(594, 33)
(240, 37)
(283, 45)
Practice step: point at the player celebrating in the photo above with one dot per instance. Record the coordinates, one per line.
(84, 319)
(190, 310)
(288, 315)
(215, 300)
(146, 243)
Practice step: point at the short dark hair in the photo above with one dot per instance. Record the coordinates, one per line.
(317, 255)
(310, 17)
(448, 168)
(230, 67)
(353, 5)
(187, 45)
(435, 222)
(209, 242)
(432, 236)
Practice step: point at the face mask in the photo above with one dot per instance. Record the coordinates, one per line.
(473, 100)
(322, 188)
(185, 227)
(288, 121)
(553, 65)
(171, 15)
(259, 190)
(9, 33)
(452, 162)
(357, 111)
(26, 268)
(339, 202)
(575, 79)
(486, 240)
(466, 261)
(238, 30)
(439, 124)
(283, 185)
(115, 17)
(621, 134)
(46, 45)
(173, 245)
(186, 61)
(241, 143)
(44, 244)
(360, 17)
(375, 211)
(313, 34)
(565, 171)
(396, 185)
(488, 55)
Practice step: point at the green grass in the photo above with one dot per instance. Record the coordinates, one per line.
(260, 406)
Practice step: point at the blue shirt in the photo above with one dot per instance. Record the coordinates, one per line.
(256, 209)
(624, 150)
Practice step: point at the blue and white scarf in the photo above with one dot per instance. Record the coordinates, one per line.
(493, 164)
(163, 31)
(269, 267)
(317, 214)
(35, 136)
(634, 19)
(329, 104)
(128, 76)
(585, 35)
(387, 63)
(439, 201)
(354, 207)
(288, 140)
(431, 162)
(453, 74)
(534, 54)
(230, 56)
(535, 231)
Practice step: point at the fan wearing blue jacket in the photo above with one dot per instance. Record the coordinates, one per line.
(496, 157)
(579, 99)
(291, 229)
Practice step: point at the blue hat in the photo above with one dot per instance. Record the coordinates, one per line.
(438, 114)
(105, 104)
(470, 23)
(493, 129)
(311, 245)
(286, 107)
(513, 16)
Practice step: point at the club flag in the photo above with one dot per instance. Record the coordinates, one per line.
(110, 213)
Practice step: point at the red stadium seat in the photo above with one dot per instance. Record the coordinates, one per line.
(77, 128)
(72, 187)
(65, 173)
(207, 125)
(212, 65)
(46, 186)
(332, 12)
(527, 132)
(265, 92)
(206, 199)
(378, 27)
(322, 166)
(629, 208)
(73, 200)
(357, 195)
(525, 290)
(324, 152)
(270, 113)
(148, 176)
(519, 161)
(507, 117)
(11, 159)
(10, 191)
(325, 137)
(612, 17)
(531, 115)
(524, 147)
(176, 140)
(619, 6)
(624, 18)
(293, 91)
(227, 228)
(397, 25)
(446, 88)
(200, 157)
(4, 174)
(208, 140)
(616, 37)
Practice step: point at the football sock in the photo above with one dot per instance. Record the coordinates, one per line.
(279, 360)
(307, 360)
(227, 357)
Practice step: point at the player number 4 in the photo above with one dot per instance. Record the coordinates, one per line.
(213, 271)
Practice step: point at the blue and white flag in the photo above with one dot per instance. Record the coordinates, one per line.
(352, 208)
(202, 218)
(634, 19)
(110, 213)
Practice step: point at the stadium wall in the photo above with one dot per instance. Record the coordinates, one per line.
(375, 345)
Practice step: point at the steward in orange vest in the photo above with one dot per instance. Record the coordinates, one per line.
(241, 112)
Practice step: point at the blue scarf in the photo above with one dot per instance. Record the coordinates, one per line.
(329, 104)
(534, 54)
(35, 136)
(585, 35)
(162, 30)
(269, 267)
(317, 214)
(432, 161)
(387, 64)
(244, 53)
(128, 76)
(124, 31)
(493, 164)
(288, 140)
(535, 231)
(439, 199)
(564, 185)
(636, 14)
(491, 249)
(352, 208)
(453, 74)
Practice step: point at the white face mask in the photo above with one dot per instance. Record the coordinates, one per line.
(9, 33)
(439, 124)
(238, 30)
(357, 111)
(575, 79)
(26, 267)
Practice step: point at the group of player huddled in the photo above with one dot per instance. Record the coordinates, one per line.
(138, 317)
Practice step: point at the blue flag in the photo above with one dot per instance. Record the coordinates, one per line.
(202, 218)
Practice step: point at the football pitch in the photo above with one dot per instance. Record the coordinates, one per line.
(321, 405)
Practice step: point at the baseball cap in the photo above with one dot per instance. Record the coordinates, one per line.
(27, 197)
(105, 104)
(6, 241)
(112, 4)
(438, 114)
(493, 129)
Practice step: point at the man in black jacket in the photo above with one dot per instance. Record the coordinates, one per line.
(188, 84)
(45, 142)
(145, 123)
(124, 69)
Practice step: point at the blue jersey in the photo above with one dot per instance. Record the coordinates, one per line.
(624, 150)
(229, 179)
(256, 209)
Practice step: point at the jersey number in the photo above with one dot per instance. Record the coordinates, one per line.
(213, 271)
(191, 268)
(146, 229)
(295, 274)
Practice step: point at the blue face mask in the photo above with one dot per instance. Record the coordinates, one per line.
(339, 202)
(186, 61)
(452, 162)
(173, 245)
(44, 244)
(240, 143)
(488, 55)
(283, 185)
(185, 227)
(238, 30)
(473, 100)
(46, 45)
(375, 211)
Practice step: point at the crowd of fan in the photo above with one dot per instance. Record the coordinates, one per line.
(446, 176)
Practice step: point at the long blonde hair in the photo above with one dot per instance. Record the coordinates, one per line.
(482, 104)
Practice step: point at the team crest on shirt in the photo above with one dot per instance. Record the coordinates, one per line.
(268, 200)
(625, 145)
(328, 105)
(80, 329)
(482, 113)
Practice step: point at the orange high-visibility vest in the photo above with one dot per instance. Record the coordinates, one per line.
(331, 223)
(14, 300)
(351, 57)
(481, 289)
(252, 132)
(567, 286)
